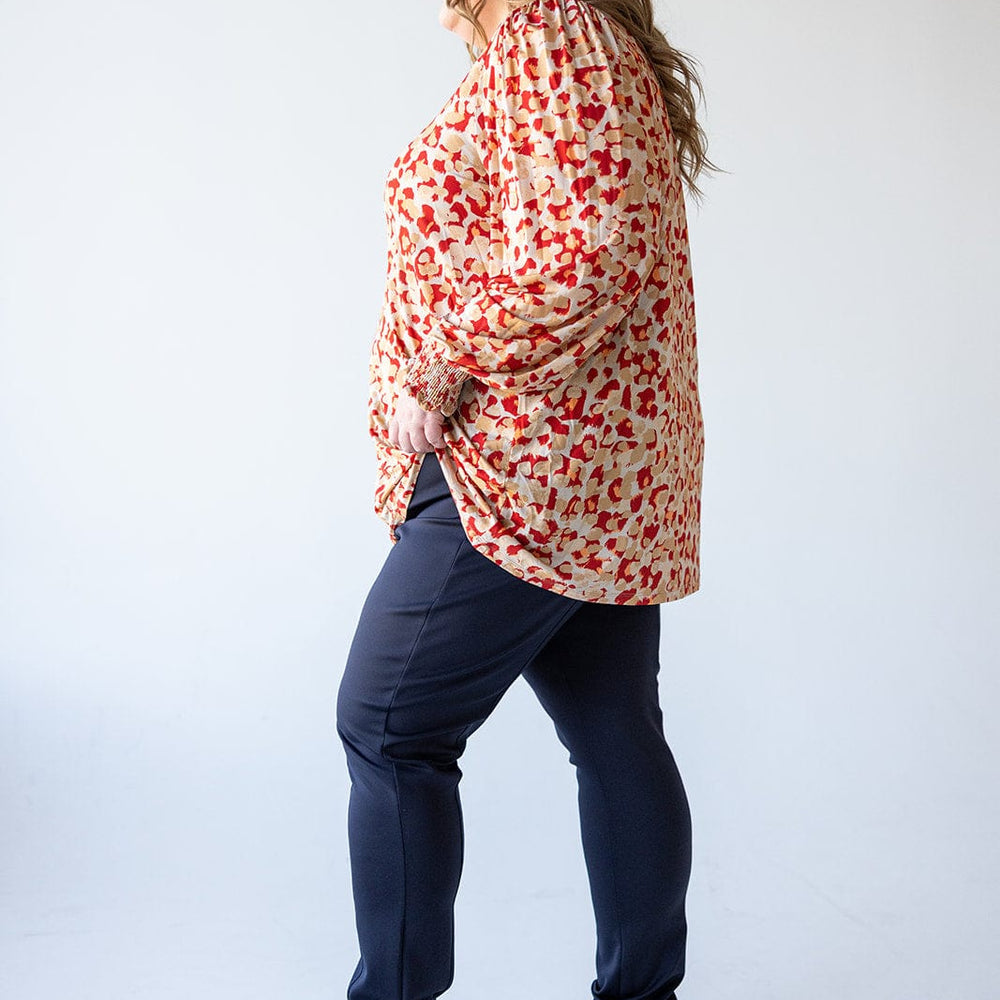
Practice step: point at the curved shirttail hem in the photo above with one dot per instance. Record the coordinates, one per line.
(545, 576)
(558, 585)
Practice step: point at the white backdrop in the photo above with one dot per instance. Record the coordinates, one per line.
(191, 263)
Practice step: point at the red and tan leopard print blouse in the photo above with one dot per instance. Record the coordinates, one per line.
(539, 294)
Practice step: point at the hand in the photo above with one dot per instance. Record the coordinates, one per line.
(413, 429)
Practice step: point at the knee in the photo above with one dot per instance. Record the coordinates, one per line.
(367, 730)
(386, 723)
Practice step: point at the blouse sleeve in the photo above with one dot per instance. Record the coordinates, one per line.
(578, 210)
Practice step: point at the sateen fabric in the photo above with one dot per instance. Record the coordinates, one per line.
(539, 293)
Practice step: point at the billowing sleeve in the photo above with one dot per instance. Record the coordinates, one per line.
(577, 206)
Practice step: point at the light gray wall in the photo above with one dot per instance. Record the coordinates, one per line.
(191, 258)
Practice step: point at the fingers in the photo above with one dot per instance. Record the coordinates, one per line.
(416, 437)
(434, 432)
(418, 440)
(413, 429)
(423, 435)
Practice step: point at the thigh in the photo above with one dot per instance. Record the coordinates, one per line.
(443, 632)
(597, 678)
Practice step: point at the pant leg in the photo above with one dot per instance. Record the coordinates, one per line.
(442, 634)
(597, 679)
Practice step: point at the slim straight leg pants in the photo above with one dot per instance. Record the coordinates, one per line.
(442, 634)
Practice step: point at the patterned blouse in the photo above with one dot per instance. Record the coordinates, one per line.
(539, 295)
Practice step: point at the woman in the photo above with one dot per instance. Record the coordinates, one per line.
(534, 406)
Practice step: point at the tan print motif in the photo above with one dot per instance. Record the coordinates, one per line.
(539, 292)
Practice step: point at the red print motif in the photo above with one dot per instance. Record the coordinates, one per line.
(539, 293)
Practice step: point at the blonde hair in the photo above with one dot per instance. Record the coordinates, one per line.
(675, 70)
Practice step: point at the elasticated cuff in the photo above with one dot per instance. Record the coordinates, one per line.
(435, 383)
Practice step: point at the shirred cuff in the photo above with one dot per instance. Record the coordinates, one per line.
(435, 383)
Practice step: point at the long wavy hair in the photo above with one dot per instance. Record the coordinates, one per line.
(675, 70)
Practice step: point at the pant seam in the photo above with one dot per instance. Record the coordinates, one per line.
(416, 640)
(393, 764)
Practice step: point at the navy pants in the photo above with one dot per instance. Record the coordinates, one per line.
(442, 634)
